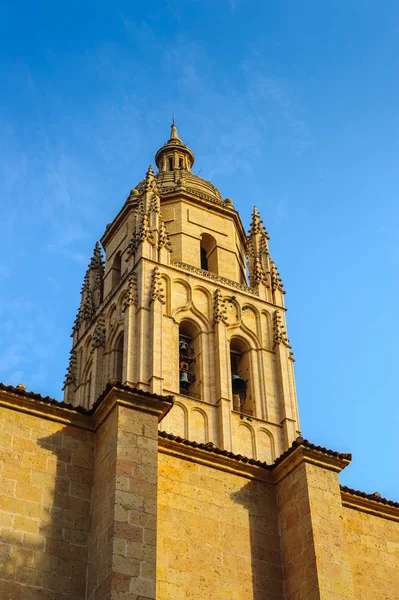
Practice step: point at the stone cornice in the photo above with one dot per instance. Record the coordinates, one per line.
(179, 192)
(303, 454)
(214, 277)
(114, 395)
(214, 461)
(68, 415)
(133, 399)
(370, 506)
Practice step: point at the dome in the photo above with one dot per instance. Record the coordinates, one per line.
(174, 161)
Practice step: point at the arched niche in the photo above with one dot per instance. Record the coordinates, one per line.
(198, 426)
(116, 269)
(190, 351)
(265, 446)
(178, 420)
(208, 249)
(245, 440)
(241, 376)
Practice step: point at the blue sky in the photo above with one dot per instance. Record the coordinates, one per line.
(291, 105)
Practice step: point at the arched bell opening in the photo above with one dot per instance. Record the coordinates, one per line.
(240, 362)
(208, 249)
(189, 359)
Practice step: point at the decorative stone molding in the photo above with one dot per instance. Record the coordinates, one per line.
(99, 334)
(154, 204)
(214, 277)
(131, 296)
(97, 260)
(258, 252)
(280, 333)
(257, 226)
(71, 374)
(219, 308)
(149, 183)
(163, 239)
(276, 281)
(157, 291)
(145, 233)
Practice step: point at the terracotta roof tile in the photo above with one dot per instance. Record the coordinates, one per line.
(373, 497)
(125, 388)
(300, 441)
(19, 391)
(209, 447)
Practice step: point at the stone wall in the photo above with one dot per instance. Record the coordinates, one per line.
(217, 532)
(373, 545)
(95, 506)
(45, 487)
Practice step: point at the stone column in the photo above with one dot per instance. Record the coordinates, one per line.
(122, 563)
(129, 309)
(223, 385)
(315, 557)
(157, 300)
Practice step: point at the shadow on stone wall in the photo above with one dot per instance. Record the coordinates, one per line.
(46, 518)
(267, 572)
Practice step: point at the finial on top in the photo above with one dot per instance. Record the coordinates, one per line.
(173, 131)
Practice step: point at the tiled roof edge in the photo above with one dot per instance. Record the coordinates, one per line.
(39, 398)
(209, 447)
(126, 388)
(79, 409)
(300, 441)
(373, 497)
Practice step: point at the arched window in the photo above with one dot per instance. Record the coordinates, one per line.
(189, 360)
(116, 269)
(208, 249)
(240, 362)
(118, 359)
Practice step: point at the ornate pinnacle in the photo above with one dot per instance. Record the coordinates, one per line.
(164, 240)
(97, 260)
(277, 282)
(132, 246)
(280, 333)
(155, 205)
(70, 377)
(149, 181)
(99, 334)
(145, 232)
(76, 324)
(257, 224)
(131, 296)
(258, 274)
(85, 284)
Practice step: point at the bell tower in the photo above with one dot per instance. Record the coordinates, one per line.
(186, 303)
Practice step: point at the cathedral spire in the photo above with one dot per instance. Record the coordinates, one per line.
(173, 132)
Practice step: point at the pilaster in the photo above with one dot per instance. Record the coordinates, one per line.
(122, 561)
(315, 555)
(129, 309)
(157, 300)
(223, 370)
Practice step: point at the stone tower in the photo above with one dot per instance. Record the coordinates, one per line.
(171, 311)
